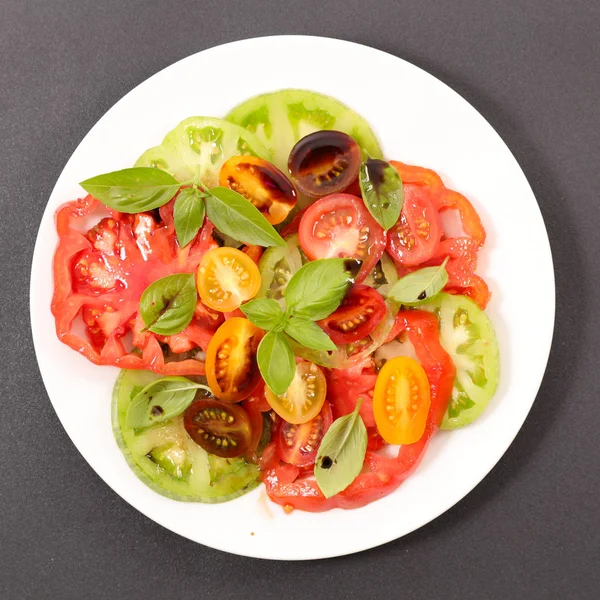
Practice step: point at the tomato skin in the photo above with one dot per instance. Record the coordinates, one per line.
(381, 474)
(231, 367)
(340, 225)
(262, 184)
(361, 303)
(298, 444)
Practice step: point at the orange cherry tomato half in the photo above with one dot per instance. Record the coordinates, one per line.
(262, 183)
(324, 162)
(231, 367)
(401, 401)
(226, 278)
(221, 429)
(304, 398)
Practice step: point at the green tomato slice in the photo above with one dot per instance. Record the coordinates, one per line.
(467, 334)
(280, 119)
(383, 276)
(277, 266)
(167, 460)
(204, 144)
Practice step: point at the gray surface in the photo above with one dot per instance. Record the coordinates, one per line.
(531, 529)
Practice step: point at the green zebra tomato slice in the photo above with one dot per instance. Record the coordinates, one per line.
(468, 336)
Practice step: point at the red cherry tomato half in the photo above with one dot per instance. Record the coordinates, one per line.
(324, 162)
(298, 444)
(340, 226)
(357, 316)
(416, 236)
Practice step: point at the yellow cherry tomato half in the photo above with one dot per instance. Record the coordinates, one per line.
(226, 278)
(304, 398)
(401, 401)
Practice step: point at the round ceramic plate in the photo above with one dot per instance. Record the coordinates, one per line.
(420, 121)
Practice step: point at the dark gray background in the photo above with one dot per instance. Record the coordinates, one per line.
(531, 529)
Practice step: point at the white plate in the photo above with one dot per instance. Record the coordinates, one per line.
(419, 120)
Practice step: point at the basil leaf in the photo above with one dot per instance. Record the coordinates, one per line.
(133, 190)
(188, 215)
(341, 454)
(167, 305)
(309, 334)
(263, 312)
(318, 287)
(382, 191)
(276, 362)
(235, 216)
(161, 400)
(420, 285)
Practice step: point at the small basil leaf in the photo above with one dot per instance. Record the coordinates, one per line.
(382, 191)
(188, 215)
(167, 305)
(133, 190)
(263, 312)
(341, 454)
(309, 334)
(235, 216)
(276, 362)
(161, 400)
(420, 285)
(318, 287)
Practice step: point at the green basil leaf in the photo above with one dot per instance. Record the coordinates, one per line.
(161, 400)
(235, 216)
(318, 287)
(263, 312)
(167, 305)
(133, 190)
(341, 453)
(309, 334)
(188, 215)
(382, 191)
(420, 285)
(276, 362)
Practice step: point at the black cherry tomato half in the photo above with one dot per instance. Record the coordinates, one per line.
(231, 367)
(324, 162)
(341, 226)
(262, 183)
(221, 429)
(356, 317)
(298, 444)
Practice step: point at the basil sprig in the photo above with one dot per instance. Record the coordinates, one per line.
(167, 305)
(341, 453)
(382, 191)
(420, 285)
(161, 400)
(313, 293)
(145, 188)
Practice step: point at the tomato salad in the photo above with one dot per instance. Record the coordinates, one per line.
(286, 306)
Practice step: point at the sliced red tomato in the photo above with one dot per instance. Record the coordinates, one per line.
(477, 290)
(339, 225)
(346, 387)
(416, 236)
(231, 367)
(357, 316)
(298, 444)
(262, 183)
(100, 275)
(382, 474)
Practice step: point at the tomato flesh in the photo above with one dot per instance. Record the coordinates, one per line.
(221, 429)
(340, 226)
(357, 316)
(231, 367)
(262, 183)
(305, 396)
(298, 444)
(226, 278)
(324, 162)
